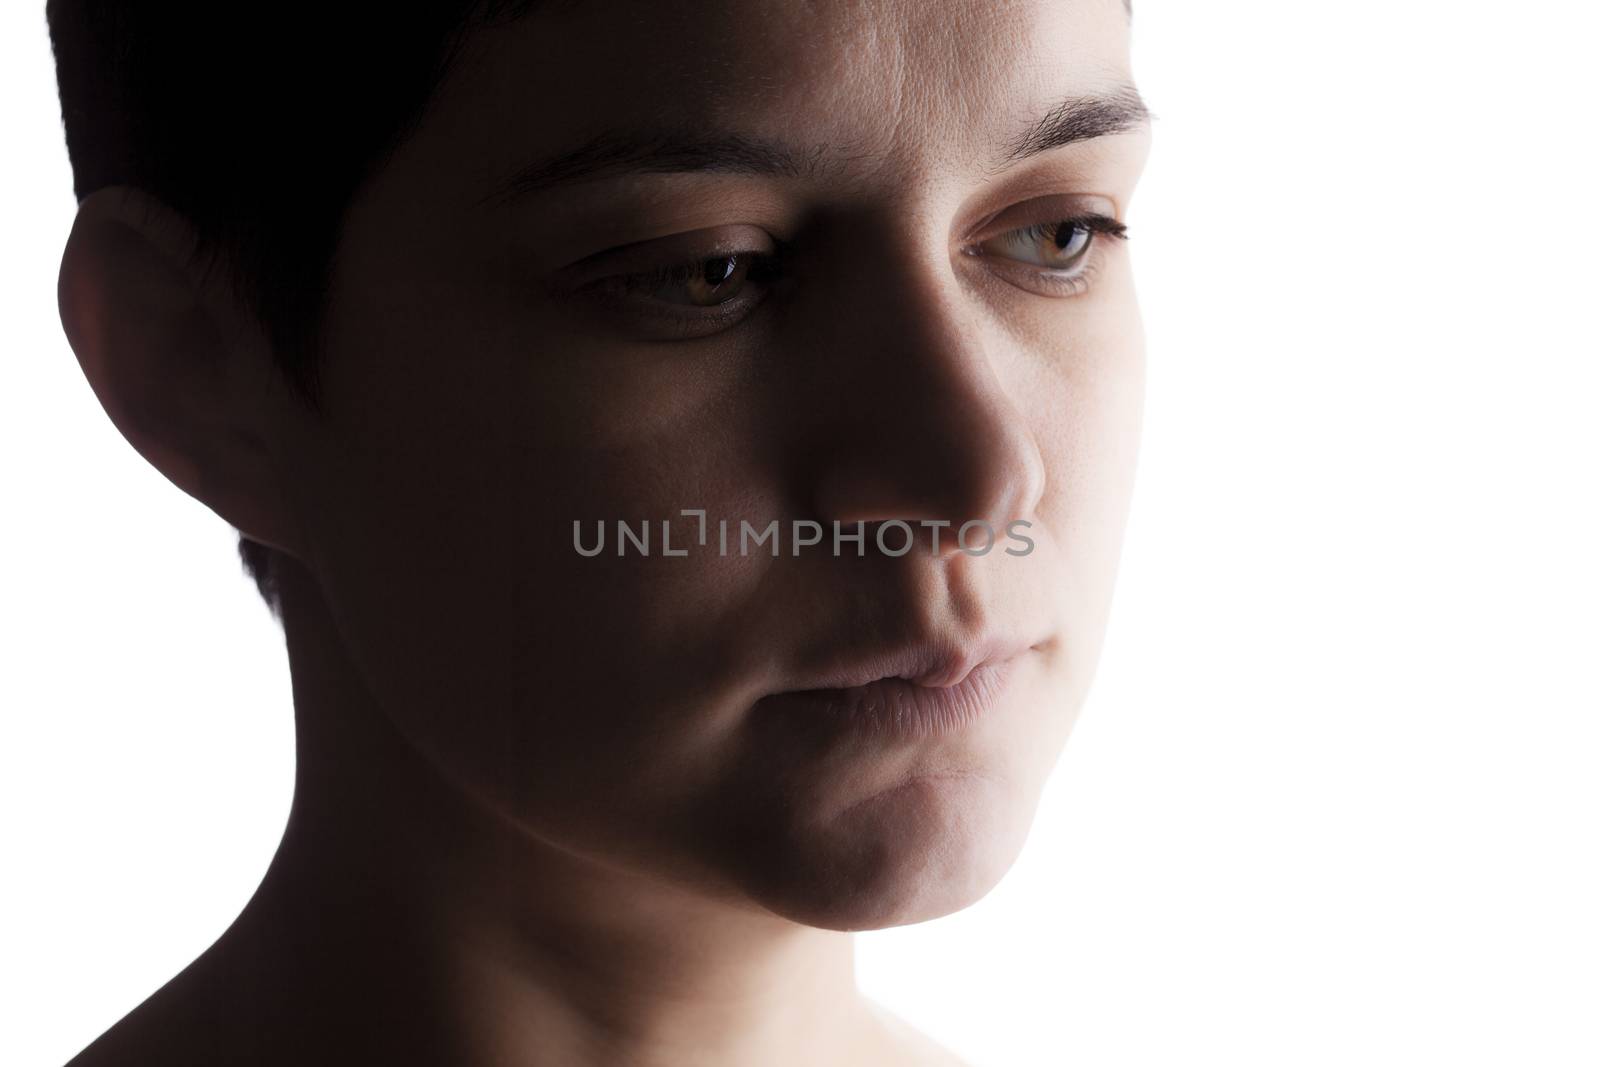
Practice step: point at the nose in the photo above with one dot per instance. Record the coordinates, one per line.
(920, 424)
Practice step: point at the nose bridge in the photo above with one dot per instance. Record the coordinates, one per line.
(922, 426)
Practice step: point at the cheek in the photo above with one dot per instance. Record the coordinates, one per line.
(443, 507)
(1087, 409)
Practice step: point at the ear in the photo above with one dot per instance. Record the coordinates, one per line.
(176, 359)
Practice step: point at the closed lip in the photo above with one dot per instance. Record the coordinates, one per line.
(925, 664)
(914, 690)
(897, 706)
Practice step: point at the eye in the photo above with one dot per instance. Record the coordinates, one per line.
(1056, 257)
(676, 288)
(702, 283)
(1057, 245)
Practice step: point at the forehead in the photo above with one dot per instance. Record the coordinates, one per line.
(874, 80)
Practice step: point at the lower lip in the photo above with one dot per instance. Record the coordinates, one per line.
(894, 706)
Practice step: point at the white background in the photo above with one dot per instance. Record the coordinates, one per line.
(1334, 798)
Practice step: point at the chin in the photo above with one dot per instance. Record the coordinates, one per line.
(924, 848)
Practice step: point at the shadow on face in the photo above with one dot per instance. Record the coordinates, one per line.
(770, 262)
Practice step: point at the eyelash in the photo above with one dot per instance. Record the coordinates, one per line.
(684, 320)
(768, 267)
(764, 266)
(1059, 283)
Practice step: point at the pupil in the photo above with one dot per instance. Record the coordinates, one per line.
(718, 270)
(1065, 233)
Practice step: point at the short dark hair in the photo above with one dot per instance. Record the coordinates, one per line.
(258, 122)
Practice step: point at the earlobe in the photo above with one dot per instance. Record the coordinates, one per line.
(167, 352)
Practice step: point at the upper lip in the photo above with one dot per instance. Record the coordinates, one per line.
(936, 664)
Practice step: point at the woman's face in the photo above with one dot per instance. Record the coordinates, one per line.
(771, 261)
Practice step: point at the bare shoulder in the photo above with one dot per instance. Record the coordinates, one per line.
(193, 1019)
(159, 1030)
(176, 1026)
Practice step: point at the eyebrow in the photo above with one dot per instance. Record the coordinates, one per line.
(614, 154)
(1081, 118)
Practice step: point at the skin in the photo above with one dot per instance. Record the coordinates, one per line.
(537, 817)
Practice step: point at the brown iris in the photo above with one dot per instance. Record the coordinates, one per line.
(716, 281)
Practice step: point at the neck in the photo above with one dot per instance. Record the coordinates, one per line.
(400, 912)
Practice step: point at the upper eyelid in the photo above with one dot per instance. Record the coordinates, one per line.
(1034, 212)
(1102, 228)
(674, 271)
(1037, 210)
(1101, 225)
(1081, 204)
(636, 258)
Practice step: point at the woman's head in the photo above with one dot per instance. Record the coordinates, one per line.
(820, 263)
